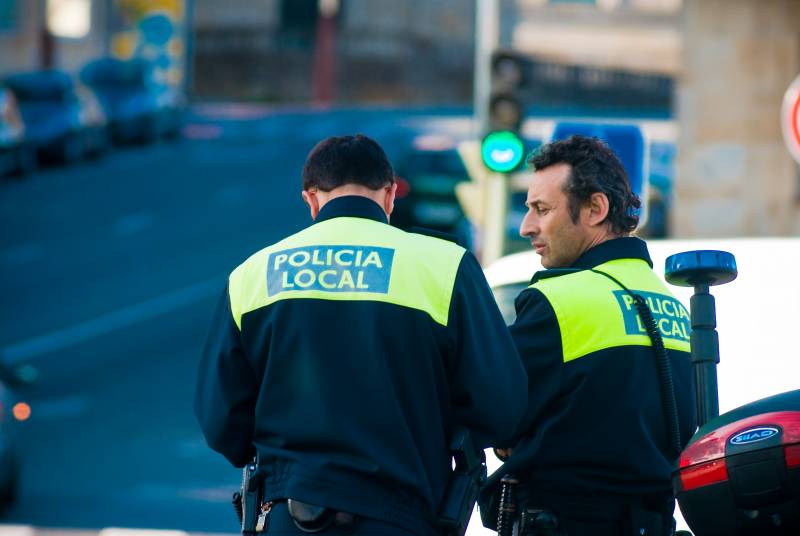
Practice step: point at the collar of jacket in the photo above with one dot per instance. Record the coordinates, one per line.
(353, 206)
(627, 247)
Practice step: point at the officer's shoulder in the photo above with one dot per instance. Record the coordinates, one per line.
(433, 233)
(543, 275)
(258, 259)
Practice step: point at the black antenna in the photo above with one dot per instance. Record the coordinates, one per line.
(702, 270)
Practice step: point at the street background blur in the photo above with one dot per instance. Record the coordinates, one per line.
(149, 146)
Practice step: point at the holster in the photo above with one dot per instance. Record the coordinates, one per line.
(463, 487)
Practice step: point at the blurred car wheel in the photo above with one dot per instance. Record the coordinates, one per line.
(26, 160)
(71, 149)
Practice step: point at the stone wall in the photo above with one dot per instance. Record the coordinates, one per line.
(735, 176)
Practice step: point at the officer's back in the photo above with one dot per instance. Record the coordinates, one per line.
(345, 354)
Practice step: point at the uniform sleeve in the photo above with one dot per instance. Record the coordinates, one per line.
(227, 389)
(487, 383)
(537, 336)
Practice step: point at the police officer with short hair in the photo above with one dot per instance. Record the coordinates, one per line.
(596, 448)
(345, 355)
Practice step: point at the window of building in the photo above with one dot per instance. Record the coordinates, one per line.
(299, 15)
(69, 18)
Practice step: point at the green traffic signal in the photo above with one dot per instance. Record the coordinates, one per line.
(502, 151)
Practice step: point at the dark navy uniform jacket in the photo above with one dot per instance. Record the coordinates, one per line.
(595, 425)
(345, 355)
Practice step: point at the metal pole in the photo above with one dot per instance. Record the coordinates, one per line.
(495, 188)
(496, 211)
(188, 54)
(705, 353)
(487, 38)
(324, 63)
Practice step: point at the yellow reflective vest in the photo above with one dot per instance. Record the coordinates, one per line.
(595, 424)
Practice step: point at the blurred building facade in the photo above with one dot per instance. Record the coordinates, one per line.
(735, 176)
(416, 50)
(384, 50)
(635, 35)
(66, 34)
(27, 43)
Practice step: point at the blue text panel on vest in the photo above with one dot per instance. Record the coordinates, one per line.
(330, 269)
(670, 315)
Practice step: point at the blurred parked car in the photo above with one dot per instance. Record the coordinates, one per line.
(426, 192)
(11, 411)
(60, 121)
(9, 455)
(94, 123)
(16, 154)
(138, 109)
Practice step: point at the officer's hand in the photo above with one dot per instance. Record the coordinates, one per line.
(503, 454)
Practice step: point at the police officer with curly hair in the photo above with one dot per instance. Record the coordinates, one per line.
(603, 428)
(345, 355)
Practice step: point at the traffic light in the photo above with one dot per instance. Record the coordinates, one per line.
(502, 147)
(502, 150)
(509, 78)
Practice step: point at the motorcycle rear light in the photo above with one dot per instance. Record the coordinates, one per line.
(703, 475)
(712, 445)
(790, 422)
(792, 453)
(707, 448)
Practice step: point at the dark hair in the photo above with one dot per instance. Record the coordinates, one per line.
(594, 168)
(341, 160)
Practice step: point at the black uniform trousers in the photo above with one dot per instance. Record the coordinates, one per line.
(280, 522)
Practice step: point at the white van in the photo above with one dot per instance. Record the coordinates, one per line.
(756, 316)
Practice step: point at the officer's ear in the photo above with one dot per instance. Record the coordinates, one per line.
(595, 211)
(388, 200)
(310, 198)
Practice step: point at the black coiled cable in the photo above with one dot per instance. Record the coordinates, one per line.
(507, 511)
(236, 500)
(665, 383)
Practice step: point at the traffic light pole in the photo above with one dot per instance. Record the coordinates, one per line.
(496, 214)
(495, 187)
(487, 38)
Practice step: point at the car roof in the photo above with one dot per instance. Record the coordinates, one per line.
(756, 313)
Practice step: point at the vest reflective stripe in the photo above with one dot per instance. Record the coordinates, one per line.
(350, 259)
(594, 313)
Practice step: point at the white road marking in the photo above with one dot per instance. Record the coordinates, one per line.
(212, 495)
(17, 530)
(121, 318)
(138, 532)
(28, 530)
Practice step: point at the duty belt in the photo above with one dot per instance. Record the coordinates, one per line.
(578, 516)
